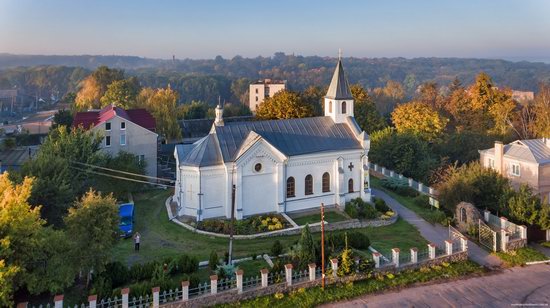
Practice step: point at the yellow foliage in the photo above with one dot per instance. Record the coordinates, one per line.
(419, 119)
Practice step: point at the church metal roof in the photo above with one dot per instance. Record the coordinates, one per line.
(204, 152)
(290, 136)
(339, 87)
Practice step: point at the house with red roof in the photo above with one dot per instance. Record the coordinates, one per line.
(131, 131)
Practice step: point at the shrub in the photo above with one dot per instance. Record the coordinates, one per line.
(406, 191)
(213, 261)
(422, 200)
(357, 208)
(117, 273)
(381, 205)
(187, 265)
(358, 240)
(276, 248)
(351, 210)
(102, 287)
(142, 271)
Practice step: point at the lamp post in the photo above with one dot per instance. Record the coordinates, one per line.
(322, 246)
(231, 225)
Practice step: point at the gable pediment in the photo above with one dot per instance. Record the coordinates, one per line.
(255, 146)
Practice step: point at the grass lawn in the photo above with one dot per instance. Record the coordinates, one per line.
(314, 218)
(161, 238)
(429, 214)
(521, 256)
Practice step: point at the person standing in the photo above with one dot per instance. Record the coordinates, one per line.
(137, 238)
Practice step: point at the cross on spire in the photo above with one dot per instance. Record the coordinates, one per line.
(339, 53)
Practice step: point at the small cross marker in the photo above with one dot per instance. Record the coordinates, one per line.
(350, 166)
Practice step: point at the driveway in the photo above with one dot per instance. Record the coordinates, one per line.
(436, 233)
(519, 285)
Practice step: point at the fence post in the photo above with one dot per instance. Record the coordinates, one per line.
(431, 250)
(383, 171)
(376, 258)
(464, 243)
(431, 190)
(400, 176)
(185, 290)
(414, 255)
(486, 215)
(395, 256)
(548, 235)
(410, 182)
(420, 187)
(392, 173)
(523, 232)
(312, 271)
(239, 274)
(503, 240)
(24, 305)
(58, 301)
(264, 273)
(448, 247)
(288, 274)
(334, 264)
(125, 293)
(214, 284)
(156, 291)
(376, 167)
(503, 221)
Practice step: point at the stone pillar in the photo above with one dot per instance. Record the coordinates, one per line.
(185, 290)
(392, 173)
(548, 235)
(503, 239)
(448, 247)
(464, 243)
(420, 187)
(376, 167)
(156, 301)
(431, 190)
(58, 301)
(25, 304)
(395, 256)
(486, 215)
(239, 274)
(264, 273)
(376, 258)
(523, 232)
(334, 264)
(214, 284)
(414, 255)
(503, 221)
(383, 171)
(312, 271)
(288, 274)
(125, 293)
(92, 301)
(431, 250)
(410, 182)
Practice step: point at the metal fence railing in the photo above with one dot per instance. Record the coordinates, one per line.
(251, 282)
(200, 289)
(109, 302)
(142, 301)
(170, 296)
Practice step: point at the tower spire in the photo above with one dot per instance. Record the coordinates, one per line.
(339, 54)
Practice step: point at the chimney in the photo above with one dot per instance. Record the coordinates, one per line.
(499, 157)
(546, 141)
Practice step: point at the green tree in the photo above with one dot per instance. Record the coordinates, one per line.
(236, 110)
(122, 93)
(313, 96)
(93, 225)
(366, 115)
(162, 104)
(240, 88)
(126, 162)
(95, 85)
(419, 119)
(284, 105)
(388, 97)
(195, 110)
(213, 261)
(62, 117)
(307, 248)
(346, 265)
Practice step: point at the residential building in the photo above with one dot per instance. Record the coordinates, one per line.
(277, 165)
(523, 162)
(131, 131)
(262, 89)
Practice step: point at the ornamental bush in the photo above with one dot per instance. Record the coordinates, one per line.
(277, 248)
(381, 205)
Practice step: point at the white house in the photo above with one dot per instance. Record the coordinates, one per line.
(277, 165)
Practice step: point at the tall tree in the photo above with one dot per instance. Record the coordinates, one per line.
(122, 93)
(95, 85)
(284, 105)
(62, 117)
(542, 110)
(366, 115)
(419, 119)
(162, 104)
(388, 97)
(93, 225)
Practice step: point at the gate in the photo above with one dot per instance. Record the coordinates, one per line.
(455, 235)
(487, 237)
(536, 234)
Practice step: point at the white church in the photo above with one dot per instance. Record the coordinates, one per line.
(277, 165)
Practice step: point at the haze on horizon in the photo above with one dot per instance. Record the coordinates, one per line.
(507, 29)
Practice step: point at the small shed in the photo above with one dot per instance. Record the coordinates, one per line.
(466, 216)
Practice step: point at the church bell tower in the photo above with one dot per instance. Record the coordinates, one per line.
(339, 101)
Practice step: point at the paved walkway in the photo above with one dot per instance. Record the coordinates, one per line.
(519, 285)
(436, 233)
(542, 249)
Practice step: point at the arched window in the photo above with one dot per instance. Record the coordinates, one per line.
(350, 185)
(343, 107)
(290, 187)
(326, 182)
(309, 185)
(330, 106)
(463, 215)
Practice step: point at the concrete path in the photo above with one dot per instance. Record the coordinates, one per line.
(436, 233)
(542, 249)
(519, 286)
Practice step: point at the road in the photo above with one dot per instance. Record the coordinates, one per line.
(436, 233)
(519, 285)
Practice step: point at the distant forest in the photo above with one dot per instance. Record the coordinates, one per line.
(206, 80)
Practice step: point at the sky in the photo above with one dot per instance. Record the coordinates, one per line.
(508, 29)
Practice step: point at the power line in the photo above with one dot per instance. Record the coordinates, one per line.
(124, 172)
(121, 178)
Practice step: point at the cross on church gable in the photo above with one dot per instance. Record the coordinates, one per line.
(351, 166)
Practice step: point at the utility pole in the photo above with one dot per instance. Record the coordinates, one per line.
(322, 246)
(232, 223)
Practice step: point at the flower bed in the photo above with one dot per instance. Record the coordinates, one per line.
(250, 225)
